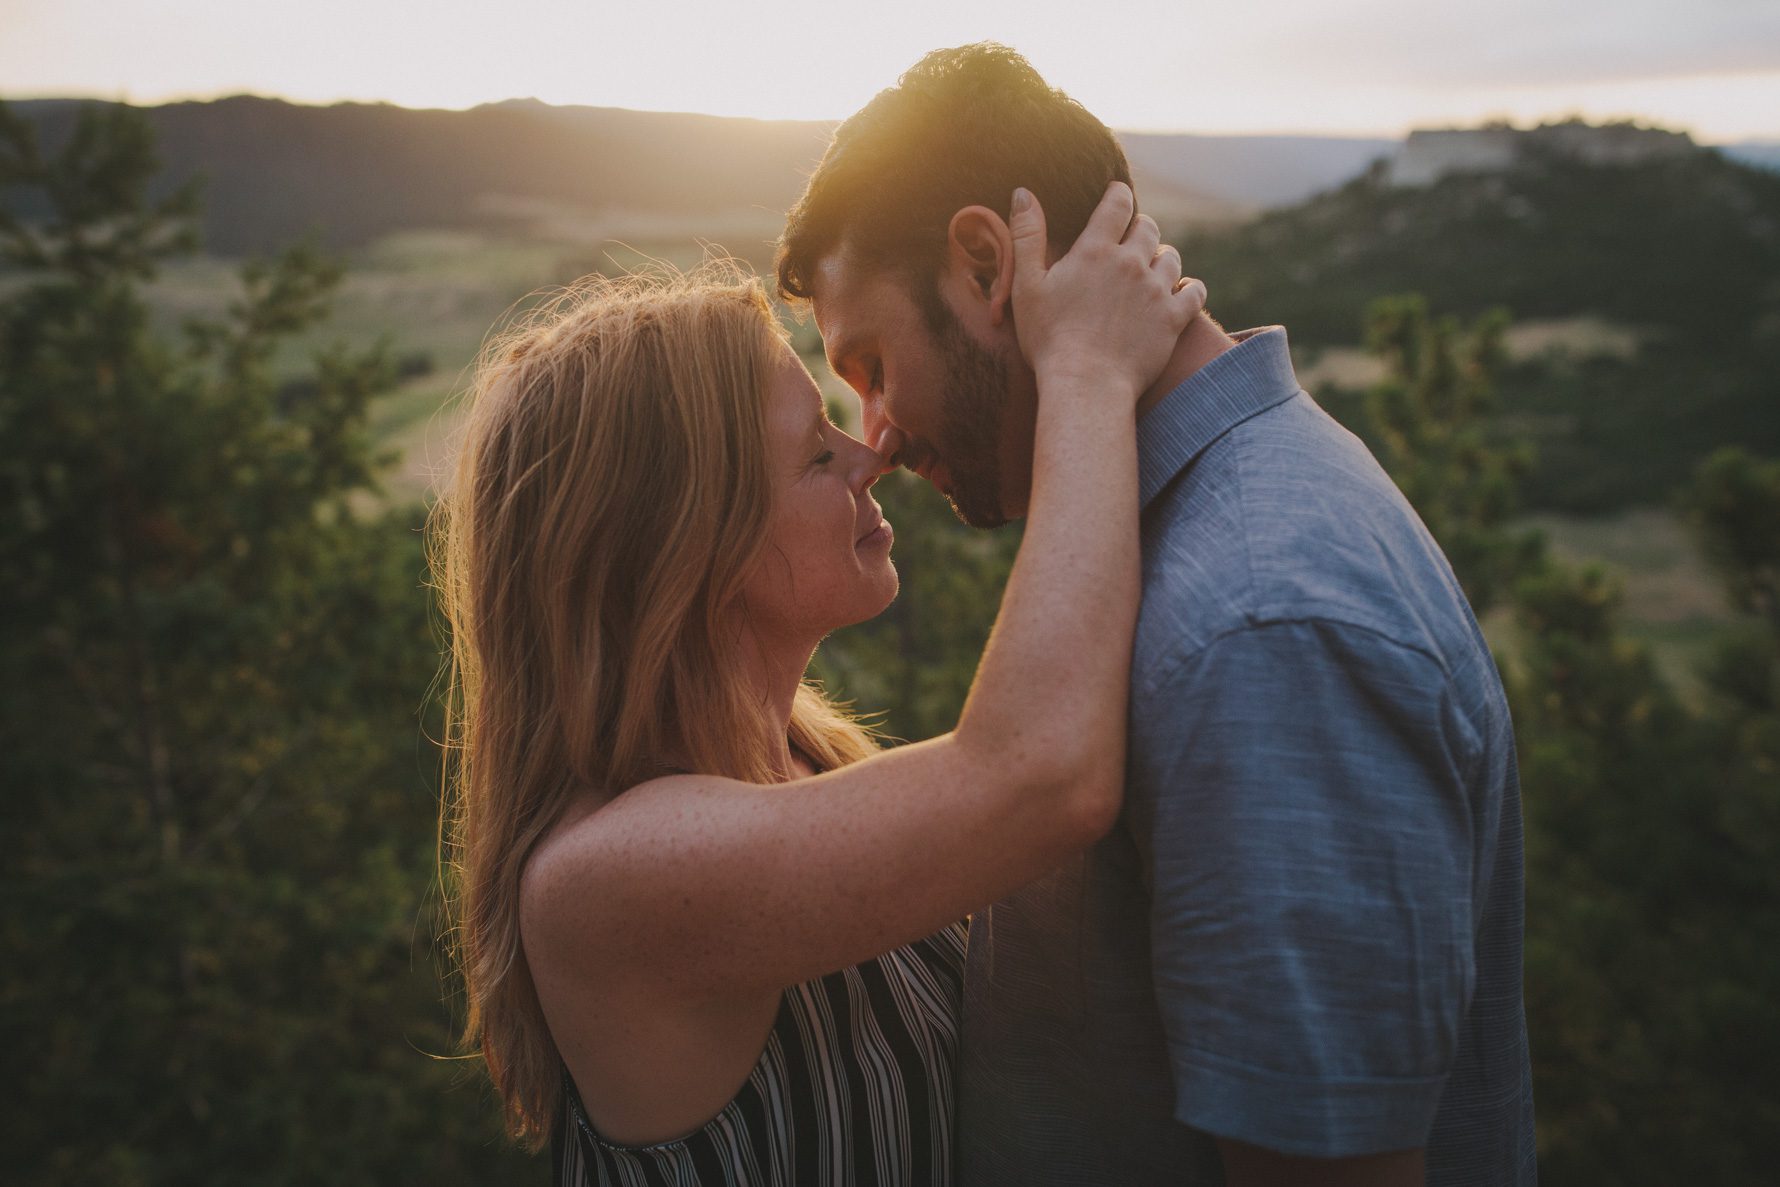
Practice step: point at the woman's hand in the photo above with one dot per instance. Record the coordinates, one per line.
(1110, 311)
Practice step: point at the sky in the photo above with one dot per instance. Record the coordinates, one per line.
(1362, 67)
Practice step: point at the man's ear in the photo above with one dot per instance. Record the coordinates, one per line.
(980, 254)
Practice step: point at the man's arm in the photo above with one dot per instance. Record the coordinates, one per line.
(1300, 799)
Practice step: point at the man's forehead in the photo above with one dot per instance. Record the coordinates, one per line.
(831, 281)
(844, 292)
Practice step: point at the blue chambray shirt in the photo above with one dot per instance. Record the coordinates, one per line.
(1305, 932)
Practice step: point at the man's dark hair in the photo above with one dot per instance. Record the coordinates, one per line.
(962, 127)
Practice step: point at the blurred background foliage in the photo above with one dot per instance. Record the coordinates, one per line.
(217, 649)
(219, 798)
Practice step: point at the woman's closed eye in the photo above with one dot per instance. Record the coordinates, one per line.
(824, 454)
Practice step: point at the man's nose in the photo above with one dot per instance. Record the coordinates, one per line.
(880, 434)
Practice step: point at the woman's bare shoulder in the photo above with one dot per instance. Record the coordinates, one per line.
(592, 846)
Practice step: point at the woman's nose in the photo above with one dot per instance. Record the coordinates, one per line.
(868, 465)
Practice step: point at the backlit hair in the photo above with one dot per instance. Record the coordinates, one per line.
(962, 127)
(611, 497)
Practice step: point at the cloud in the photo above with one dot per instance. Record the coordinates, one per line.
(1529, 43)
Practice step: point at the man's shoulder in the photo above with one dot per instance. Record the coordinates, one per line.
(1288, 517)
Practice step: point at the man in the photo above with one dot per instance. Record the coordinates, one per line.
(1297, 958)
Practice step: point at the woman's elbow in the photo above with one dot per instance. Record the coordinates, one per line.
(1084, 789)
(1093, 802)
(1079, 787)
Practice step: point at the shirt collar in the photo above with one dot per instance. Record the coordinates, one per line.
(1247, 379)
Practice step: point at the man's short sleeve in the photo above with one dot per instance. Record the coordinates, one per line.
(1299, 800)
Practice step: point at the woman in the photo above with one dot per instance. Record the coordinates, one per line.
(708, 930)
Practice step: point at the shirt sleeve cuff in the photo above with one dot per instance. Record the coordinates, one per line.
(1309, 1117)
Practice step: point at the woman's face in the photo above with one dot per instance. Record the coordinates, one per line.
(826, 563)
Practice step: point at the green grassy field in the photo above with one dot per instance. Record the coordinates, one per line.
(1672, 604)
(1669, 601)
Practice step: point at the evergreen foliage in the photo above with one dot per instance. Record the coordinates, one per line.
(1683, 252)
(1735, 507)
(1689, 246)
(218, 811)
(1428, 418)
(1653, 905)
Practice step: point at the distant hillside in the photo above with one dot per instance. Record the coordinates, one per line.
(1690, 245)
(1680, 256)
(352, 172)
(1254, 171)
(278, 170)
(1763, 154)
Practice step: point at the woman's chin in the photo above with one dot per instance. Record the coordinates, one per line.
(885, 586)
(895, 584)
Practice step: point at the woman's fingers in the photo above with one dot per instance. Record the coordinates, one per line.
(1144, 234)
(1113, 300)
(1026, 223)
(1188, 299)
(1166, 264)
(1111, 218)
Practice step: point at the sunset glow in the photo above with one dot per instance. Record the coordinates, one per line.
(1353, 66)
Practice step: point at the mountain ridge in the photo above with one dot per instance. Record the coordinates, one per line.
(350, 172)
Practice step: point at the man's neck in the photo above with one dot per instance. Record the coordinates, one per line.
(1202, 341)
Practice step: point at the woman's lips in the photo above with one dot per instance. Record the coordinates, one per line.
(882, 534)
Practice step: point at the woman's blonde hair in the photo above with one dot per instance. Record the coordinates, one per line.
(611, 496)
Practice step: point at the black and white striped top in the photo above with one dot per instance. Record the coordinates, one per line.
(854, 1089)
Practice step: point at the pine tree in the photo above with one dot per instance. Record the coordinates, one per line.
(217, 804)
(1429, 416)
(1653, 922)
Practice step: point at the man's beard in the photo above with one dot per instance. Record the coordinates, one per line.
(970, 418)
